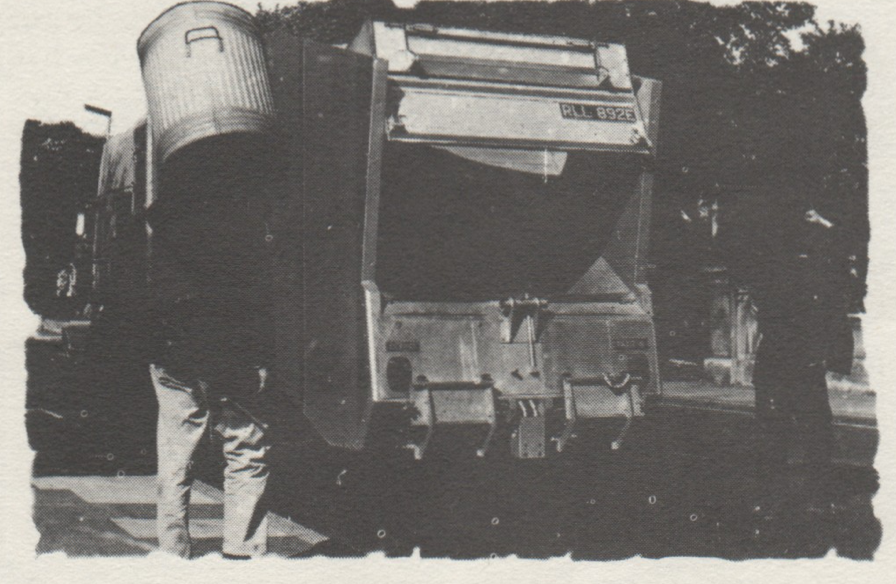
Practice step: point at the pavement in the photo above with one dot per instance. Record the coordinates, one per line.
(849, 407)
(115, 516)
(856, 437)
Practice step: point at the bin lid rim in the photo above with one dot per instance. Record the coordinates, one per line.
(148, 34)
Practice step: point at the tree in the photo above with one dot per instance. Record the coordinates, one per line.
(58, 178)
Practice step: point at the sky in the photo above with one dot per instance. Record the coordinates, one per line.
(64, 59)
(57, 55)
(66, 54)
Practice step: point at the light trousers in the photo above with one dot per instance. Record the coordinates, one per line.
(184, 416)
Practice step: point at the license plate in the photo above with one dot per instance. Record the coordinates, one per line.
(630, 344)
(402, 346)
(597, 113)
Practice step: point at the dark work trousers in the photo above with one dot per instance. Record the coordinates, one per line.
(792, 412)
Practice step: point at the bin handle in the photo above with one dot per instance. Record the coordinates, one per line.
(211, 33)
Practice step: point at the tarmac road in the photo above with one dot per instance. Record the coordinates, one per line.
(681, 485)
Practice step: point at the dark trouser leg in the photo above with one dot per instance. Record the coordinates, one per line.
(814, 418)
(815, 429)
(773, 430)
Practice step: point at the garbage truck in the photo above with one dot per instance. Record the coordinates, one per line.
(476, 214)
(465, 216)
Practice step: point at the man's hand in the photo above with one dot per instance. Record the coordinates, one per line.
(813, 216)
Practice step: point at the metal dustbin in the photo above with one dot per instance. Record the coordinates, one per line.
(205, 74)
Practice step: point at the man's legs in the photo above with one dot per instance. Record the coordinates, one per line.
(814, 416)
(245, 478)
(773, 429)
(183, 417)
(815, 432)
(772, 419)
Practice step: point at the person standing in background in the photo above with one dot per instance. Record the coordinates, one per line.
(786, 253)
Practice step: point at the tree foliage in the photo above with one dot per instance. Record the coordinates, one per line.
(58, 178)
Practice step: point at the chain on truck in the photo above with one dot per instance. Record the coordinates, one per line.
(486, 197)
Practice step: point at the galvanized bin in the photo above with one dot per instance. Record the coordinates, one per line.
(205, 74)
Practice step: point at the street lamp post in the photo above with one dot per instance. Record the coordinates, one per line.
(101, 112)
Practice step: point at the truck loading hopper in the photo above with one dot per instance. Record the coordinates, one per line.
(475, 219)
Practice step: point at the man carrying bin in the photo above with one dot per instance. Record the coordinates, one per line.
(210, 268)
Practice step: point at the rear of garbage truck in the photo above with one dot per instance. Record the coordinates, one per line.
(475, 217)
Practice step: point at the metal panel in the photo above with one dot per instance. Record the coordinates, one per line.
(528, 440)
(120, 239)
(622, 251)
(512, 57)
(284, 52)
(372, 300)
(118, 164)
(497, 114)
(648, 99)
(445, 348)
(634, 346)
(338, 92)
(627, 250)
(505, 90)
(466, 347)
(578, 346)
